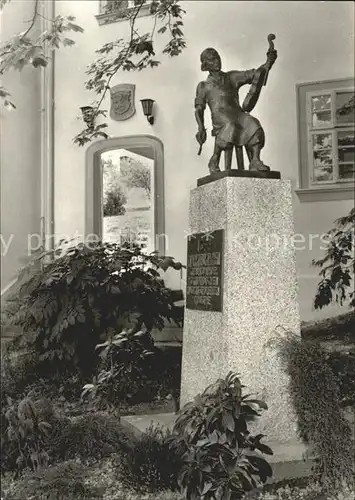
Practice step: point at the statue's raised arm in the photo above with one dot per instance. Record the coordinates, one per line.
(260, 77)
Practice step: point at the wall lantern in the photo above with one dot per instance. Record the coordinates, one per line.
(147, 105)
(88, 113)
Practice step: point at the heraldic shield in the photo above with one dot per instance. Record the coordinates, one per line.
(122, 101)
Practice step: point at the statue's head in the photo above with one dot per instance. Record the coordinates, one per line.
(210, 60)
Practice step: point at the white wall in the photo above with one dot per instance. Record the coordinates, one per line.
(20, 150)
(314, 42)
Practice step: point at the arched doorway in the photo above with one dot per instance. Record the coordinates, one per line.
(125, 191)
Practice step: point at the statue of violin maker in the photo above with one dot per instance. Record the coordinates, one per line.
(233, 126)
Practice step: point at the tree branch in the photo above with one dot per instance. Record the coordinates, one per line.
(32, 22)
(107, 87)
(136, 54)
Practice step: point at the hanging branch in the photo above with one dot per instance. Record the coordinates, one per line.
(26, 48)
(134, 54)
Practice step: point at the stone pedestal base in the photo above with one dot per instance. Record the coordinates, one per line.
(259, 296)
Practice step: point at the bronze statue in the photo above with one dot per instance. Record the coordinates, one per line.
(233, 126)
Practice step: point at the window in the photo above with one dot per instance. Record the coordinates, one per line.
(125, 191)
(326, 112)
(111, 11)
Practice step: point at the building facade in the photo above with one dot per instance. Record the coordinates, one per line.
(49, 183)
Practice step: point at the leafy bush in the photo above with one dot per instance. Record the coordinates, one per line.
(338, 265)
(125, 367)
(16, 452)
(114, 203)
(151, 464)
(315, 394)
(23, 374)
(343, 366)
(65, 480)
(18, 371)
(90, 436)
(23, 440)
(87, 293)
(221, 458)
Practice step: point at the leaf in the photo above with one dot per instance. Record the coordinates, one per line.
(214, 437)
(206, 488)
(9, 105)
(258, 402)
(88, 386)
(39, 61)
(202, 442)
(228, 421)
(75, 27)
(67, 42)
(264, 468)
(264, 449)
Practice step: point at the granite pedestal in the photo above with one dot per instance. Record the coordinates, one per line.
(259, 297)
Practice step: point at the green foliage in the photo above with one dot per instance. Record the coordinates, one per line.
(221, 458)
(315, 395)
(92, 436)
(338, 265)
(4, 96)
(343, 366)
(22, 436)
(125, 366)
(18, 371)
(114, 202)
(65, 480)
(135, 175)
(86, 294)
(134, 54)
(25, 435)
(151, 464)
(30, 48)
(133, 370)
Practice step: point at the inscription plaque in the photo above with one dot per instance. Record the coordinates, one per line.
(204, 271)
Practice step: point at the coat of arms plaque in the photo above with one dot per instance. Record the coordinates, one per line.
(122, 101)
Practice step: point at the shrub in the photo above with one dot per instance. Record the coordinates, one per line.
(221, 458)
(343, 366)
(90, 436)
(18, 371)
(133, 370)
(151, 464)
(114, 203)
(125, 368)
(85, 294)
(338, 265)
(315, 394)
(65, 480)
(23, 441)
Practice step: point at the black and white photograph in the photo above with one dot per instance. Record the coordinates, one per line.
(177, 249)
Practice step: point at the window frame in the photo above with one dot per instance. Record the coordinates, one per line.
(112, 17)
(93, 191)
(305, 92)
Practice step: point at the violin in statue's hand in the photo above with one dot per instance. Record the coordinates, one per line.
(260, 77)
